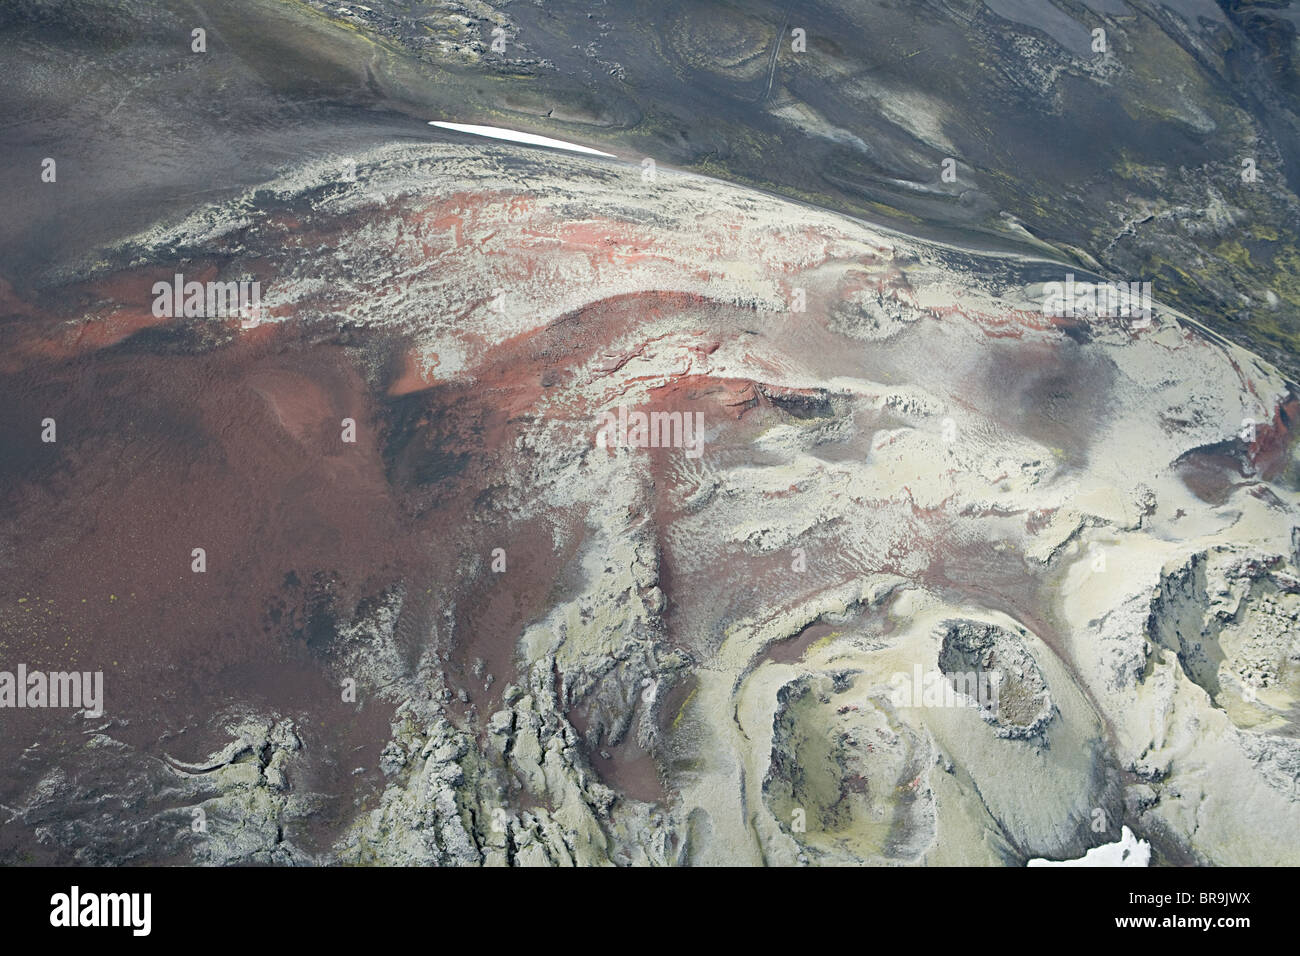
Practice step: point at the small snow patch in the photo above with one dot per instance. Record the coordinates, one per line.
(1129, 851)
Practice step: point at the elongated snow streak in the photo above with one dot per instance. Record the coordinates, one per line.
(496, 132)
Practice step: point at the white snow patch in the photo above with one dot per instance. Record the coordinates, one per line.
(496, 132)
(1129, 851)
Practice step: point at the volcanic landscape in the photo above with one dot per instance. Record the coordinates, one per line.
(442, 617)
